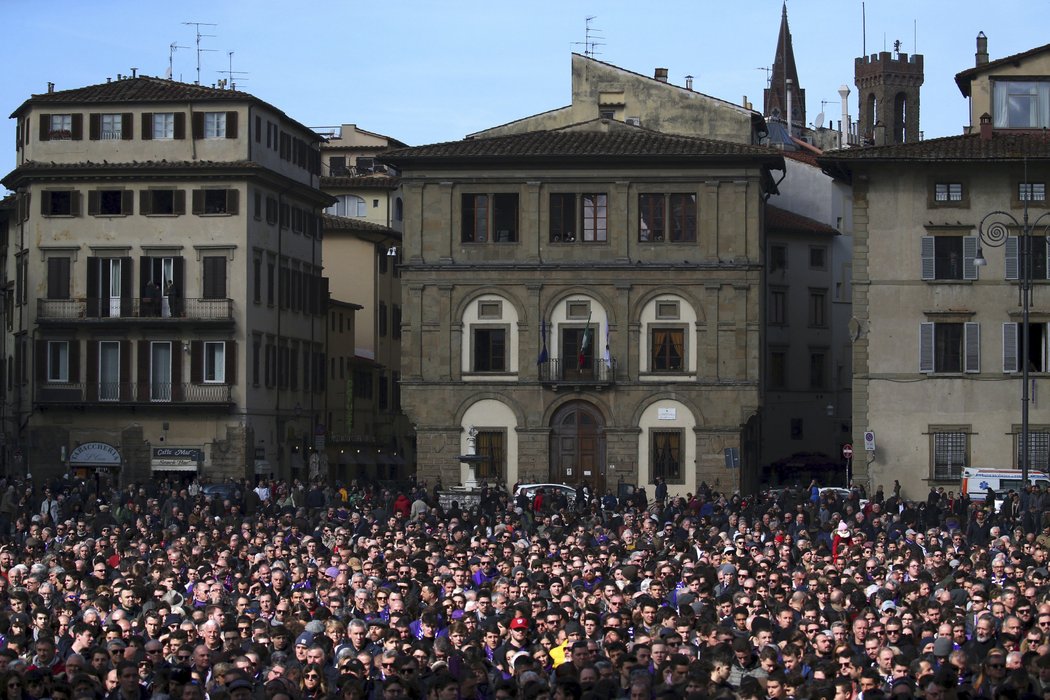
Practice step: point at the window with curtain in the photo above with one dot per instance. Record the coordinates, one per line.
(668, 350)
(490, 444)
(1021, 104)
(666, 457)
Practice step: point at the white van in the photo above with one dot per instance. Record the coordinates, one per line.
(977, 480)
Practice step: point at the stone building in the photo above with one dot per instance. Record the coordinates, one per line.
(588, 299)
(167, 298)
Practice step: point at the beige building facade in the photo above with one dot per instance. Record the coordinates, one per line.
(588, 301)
(937, 381)
(167, 299)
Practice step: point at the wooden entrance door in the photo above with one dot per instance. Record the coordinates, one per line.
(578, 446)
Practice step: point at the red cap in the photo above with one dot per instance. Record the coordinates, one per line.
(519, 623)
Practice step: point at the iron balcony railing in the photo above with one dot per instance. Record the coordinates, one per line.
(128, 393)
(593, 371)
(117, 309)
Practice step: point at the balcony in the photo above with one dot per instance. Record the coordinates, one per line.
(596, 373)
(132, 394)
(125, 309)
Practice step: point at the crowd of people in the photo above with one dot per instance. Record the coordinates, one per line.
(286, 591)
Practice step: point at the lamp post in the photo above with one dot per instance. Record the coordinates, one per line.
(994, 231)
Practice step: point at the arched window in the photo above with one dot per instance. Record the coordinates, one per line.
(348, 205)
(399, 209)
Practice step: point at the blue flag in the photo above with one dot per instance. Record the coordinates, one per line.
(543, 358)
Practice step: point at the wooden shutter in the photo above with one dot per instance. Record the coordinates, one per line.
(58, 278)
(74, 361)
(45, 204)
(929, 267)
(196, 362)
(45, 127)
(92, 286)
(144, 202)
(1013, 258)
(147, 126)
(198, 202)
(145, 272)
(178, 268)
(258, 129)
(1010, 355)
(232, 199)
(177, 394)
(78, 127)
(179, 202)
(972, 348)
(94, 126)
(231, 125)
(127, 126)
(127, 301)
(41, 361)
(198, 125)
(126, 383)
(926, 347)
(1046, 242)
(92, 370)
(142, 379)
(180, 125)
(93, 202)
(127, 202)
(214, 277)
(74, 203)
(230, 352)
(969, 255)
(18, 134)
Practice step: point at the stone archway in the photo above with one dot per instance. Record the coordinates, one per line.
(577, 446)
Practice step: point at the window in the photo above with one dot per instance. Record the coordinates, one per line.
(949, 347)
(1038, 449)
(214, 281)
(1031, 191)
(60, 127)
(490, 310)
(778, 258)
(110, 126)
(484, 213)
(256, 347)
(490, 349)
(257, 280)
(1021, 104)
(384, 392)
(651, 217)
(668, 310)
(212, 202)
(110, 202)
(491, 444)
(163, 125)
(778, 369)
(215, 125)
(270, 280)
(949, 257)
(57, 361)
(563, 217)
(818, 257)
(818, 308)
(337, 166)
(948, 192)
(1038, 257)
(668, 349)
(682, 216)
(58, 278)
(818, 369)
(395, 321)
(60, 203)
(382, 319)
(271, 210)
(595, 217)
(214, 362)
(1038, 351)
(348, 205)
(666, 456)
(363, 384)
(951, 452)
(162, 202)
(778, 306)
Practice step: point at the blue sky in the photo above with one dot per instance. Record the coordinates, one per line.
(434, 71)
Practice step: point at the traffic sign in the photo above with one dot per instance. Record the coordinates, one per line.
(847, 451)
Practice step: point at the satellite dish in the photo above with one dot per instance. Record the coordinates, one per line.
(819, 121)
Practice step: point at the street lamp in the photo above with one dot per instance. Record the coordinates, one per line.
(994, 231)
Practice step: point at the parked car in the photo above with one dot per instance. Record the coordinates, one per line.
(531, 489)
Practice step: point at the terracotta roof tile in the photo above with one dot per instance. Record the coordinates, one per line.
(345, 223)
(784, 221)
(598, 139)
(364, 182)
(1003, 146)
(964, 78)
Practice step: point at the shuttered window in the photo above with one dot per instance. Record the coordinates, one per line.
(214, 282)
(58, 278)
(949, 347)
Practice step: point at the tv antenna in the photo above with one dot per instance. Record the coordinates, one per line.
(231, 74)
(197, 26)
(174, 46)
(768, 72)
(589, 43)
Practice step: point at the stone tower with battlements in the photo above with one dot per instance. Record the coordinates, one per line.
(888, 90)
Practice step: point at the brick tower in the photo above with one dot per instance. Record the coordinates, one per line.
(888, 90)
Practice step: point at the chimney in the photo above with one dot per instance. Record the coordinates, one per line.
(50, 87)
(986, 127)
(981, 57)
(134, 72)
(661, 75)
(844, 124)
(689, 82)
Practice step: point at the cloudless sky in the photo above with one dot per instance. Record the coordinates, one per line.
(427, 71)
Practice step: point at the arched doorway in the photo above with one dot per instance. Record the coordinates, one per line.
(577, 446)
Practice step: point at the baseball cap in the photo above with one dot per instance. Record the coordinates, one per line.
(519, 623)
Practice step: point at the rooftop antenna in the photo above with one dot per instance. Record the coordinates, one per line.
(231, 73)
(197, 26)
(769, 74)
(171, 57)
(915, 36)
(864, 30)
(589, 44)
